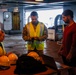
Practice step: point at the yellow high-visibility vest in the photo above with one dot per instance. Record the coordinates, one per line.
(2, 50)
(39, 45)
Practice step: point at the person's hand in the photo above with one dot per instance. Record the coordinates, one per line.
(32, 39)
(59, 52)
(69, 56)
(2, 35)
(36, 38)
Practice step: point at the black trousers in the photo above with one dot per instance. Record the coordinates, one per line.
(71, 63)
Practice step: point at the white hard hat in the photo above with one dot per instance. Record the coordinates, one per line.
(13, 58)
(34, 55)
(4, 61)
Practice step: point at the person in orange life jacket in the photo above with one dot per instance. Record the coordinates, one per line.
(35, 33)
(68, 47)
(2, 36)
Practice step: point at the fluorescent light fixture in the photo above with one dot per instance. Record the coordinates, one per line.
(39, 0)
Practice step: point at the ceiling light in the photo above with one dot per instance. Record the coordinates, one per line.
(39, 0)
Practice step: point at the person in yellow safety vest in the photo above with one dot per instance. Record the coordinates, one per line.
(35, 33)
(2, 36)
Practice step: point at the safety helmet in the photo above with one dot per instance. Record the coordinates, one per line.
(13, 58)
(4, 61)
(34, 55)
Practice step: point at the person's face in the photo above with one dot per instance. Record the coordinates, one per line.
(65, 19)
(34, 19)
